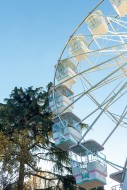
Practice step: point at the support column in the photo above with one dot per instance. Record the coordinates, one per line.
(125, 182)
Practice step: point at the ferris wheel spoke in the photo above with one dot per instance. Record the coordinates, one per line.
(87, 81)
(120, 36)
(103, 50)
(113, 116)
(99, 105)
(103, 80)
(120, 120)
(109, 114)
(109, 39)
(122, 124)
(118, 115)
(105, 108)
(93, 87)
(122, 94)
(98, 45)
(90, 69)
(119, 22)
(119, 94)
(102, 67)
(108, 81)
(106, 102)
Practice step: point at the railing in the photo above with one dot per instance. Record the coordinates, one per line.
(116, 187)
(100, 157)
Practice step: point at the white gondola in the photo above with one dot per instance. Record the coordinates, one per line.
(91, 171)
(61, 100)
(67, 131)
(120, 177)
(117, 176)
(120, 6)
(65, 70)
(78, 48)
(96, 23)
(116, 187)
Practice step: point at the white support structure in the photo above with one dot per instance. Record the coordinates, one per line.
(125, 182)
(106, 62)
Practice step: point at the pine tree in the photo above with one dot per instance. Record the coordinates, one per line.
(25, 125)
(25, 140)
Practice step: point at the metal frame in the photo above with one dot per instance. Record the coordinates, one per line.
(118, 65)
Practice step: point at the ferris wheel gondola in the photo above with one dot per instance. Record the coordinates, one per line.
(120, 6)
(93, 77)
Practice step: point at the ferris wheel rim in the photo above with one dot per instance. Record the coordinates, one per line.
(54, 86)
(64, 50)
(59, 60)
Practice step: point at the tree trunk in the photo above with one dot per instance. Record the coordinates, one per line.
(21, 175)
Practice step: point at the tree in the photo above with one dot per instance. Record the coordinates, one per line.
(25, 140)
(25, 126)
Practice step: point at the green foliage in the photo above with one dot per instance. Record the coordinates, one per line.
(22, 110)
(25, 140)
(25, 126)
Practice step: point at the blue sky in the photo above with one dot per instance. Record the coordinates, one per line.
(32, 35)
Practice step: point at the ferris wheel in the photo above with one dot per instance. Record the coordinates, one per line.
(90, 86)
